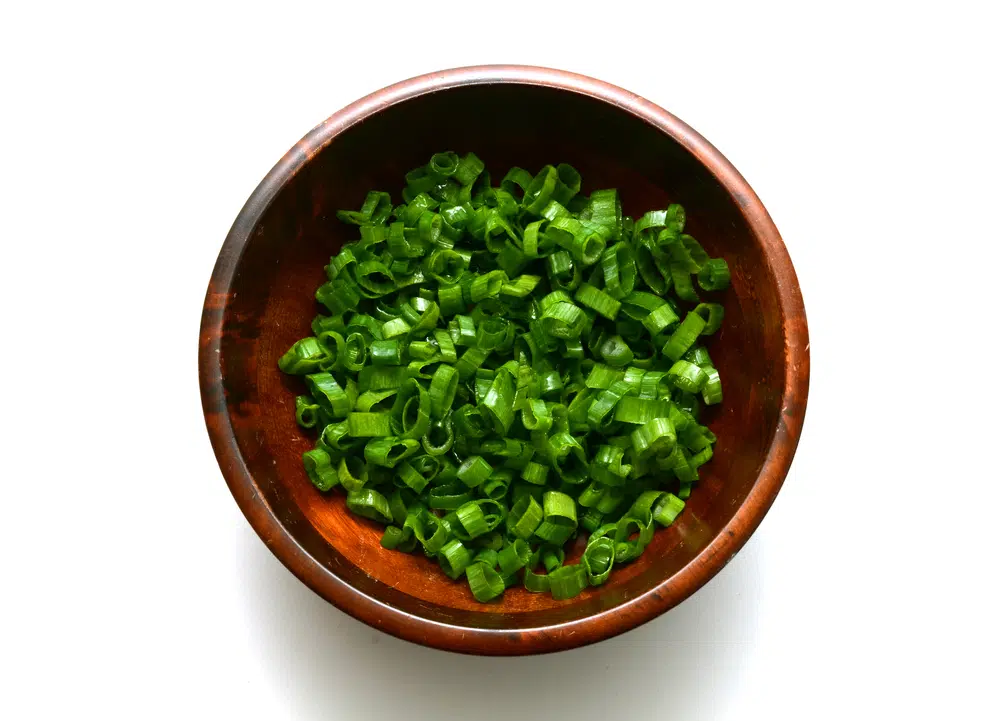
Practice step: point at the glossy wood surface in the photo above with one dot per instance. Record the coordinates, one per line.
(260, 300)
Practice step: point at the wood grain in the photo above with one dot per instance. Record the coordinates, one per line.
(260, 300)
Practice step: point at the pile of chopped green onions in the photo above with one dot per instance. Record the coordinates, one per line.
(505, 369)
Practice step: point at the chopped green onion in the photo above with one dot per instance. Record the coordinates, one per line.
(448, 496)
(540, 190)
(394, 536)
(601, 411)
(319, 470)
(506, 367)
(370, 504)
(514, 556)
(567, 581)
(306, 411)
(536, 416)
(487, 286)
(667, 510)
(303, 357)
(582, 241)
(368, 425)
(687, 376)
(712, 314)
(564, 320)
(485, 583)
(499, 403)
(535, 473)
(656, 437)
(525, 517)
(451, 299)
(598, 560)
(444, 386)
(711, 391)
(618, 270)
(658, 321)
(389, 451)
(598, 300)
(616, 352)
(684, 337)
(440, 437)
(454, 558)
(474, 471)
(386, 352)
(714, 275)
(329, 395)
(631, 409)
(683, 286)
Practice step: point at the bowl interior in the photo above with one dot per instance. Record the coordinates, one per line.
(271, 305)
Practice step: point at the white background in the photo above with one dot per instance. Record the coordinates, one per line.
(132, 587)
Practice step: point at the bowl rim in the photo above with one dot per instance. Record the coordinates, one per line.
(541, 639)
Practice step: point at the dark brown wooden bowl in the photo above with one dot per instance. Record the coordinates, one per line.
(260, 301)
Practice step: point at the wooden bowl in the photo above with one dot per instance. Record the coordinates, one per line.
(260, 301)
